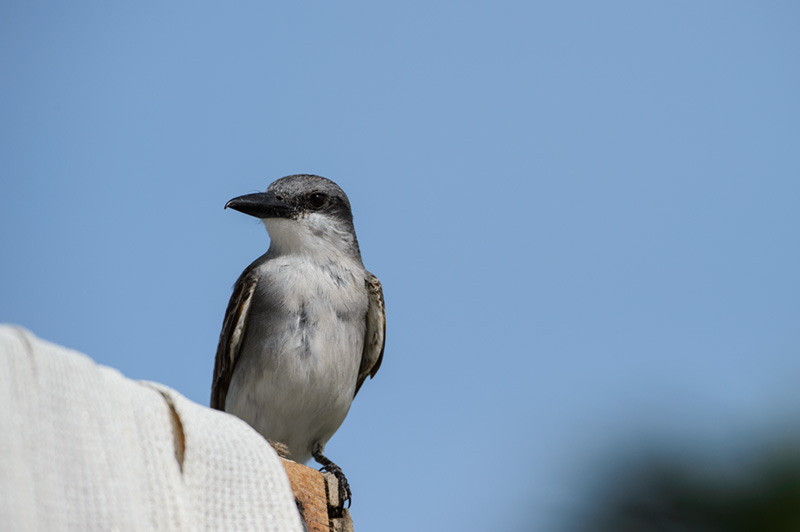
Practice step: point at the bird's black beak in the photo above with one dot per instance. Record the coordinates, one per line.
(261, 205)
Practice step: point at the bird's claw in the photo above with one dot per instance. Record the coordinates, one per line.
(345, 495)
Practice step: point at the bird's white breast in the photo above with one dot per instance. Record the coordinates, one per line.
(302, 349)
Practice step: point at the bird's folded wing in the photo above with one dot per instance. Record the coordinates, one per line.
(230, 339)
(376, 332)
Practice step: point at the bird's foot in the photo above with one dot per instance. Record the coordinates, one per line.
(280, 448)
(345, 495)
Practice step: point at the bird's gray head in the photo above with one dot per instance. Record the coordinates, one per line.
(305, 214)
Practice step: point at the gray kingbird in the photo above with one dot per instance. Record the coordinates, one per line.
(305, 325)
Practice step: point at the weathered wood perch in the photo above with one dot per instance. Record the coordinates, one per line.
(317, 496)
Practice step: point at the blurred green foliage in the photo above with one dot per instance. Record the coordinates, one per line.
(672, 495)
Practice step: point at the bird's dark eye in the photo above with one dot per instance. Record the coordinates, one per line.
(316, 200)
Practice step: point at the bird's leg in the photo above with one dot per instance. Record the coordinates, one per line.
(327, 465)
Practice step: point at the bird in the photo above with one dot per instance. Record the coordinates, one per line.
(305, 325)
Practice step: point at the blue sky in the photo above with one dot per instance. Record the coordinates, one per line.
(584, 215)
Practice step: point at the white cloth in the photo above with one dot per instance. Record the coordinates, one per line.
(83, 448)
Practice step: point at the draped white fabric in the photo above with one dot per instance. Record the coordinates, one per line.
(82, 448)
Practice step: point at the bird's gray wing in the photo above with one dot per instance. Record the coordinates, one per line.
(230, 339)
(375, 338)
